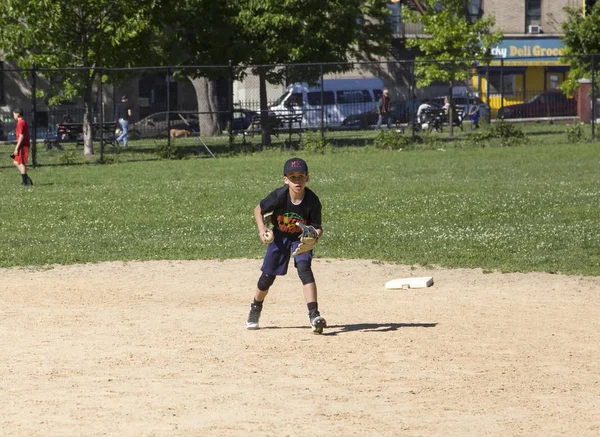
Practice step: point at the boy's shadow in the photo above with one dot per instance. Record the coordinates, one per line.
(374, 327)
(365, 327)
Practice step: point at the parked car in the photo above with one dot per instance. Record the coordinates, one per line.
(156, 126)
(547, 104)
(400, 114)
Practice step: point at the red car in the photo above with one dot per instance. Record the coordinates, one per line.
(547, 104)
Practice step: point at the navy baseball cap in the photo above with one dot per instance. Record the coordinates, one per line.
(295, 164)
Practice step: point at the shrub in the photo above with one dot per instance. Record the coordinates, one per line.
(480, 138)
(392, 141)
(68, 158)
(508, 133)
(314, 142)
(575, 133)
(501, 133)
(166, 149)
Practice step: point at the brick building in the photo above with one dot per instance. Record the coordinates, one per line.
(527, 59)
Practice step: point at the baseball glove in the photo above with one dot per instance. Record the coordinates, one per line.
(308, 239)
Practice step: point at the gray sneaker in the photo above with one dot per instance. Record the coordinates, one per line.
(253, 317)
(317, 323)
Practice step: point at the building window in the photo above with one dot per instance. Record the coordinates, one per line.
(533, 13)
(588, 5)
(474, 10)
(554, 77)
(496, 84)
(394, 18)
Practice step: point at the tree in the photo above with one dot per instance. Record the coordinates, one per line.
(199, 32)
(453, 42)
(307, 31)
(259, 34)
(256, 34)
(87, 35)
(582, 40)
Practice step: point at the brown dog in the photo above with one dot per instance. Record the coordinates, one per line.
(179, 133)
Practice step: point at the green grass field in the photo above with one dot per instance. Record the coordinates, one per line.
(529, 208)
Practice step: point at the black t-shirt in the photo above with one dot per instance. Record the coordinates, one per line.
(285, 213)
(123, 110)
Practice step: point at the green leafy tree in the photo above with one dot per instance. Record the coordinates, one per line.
(258, 34)
(453, 42)
(203, 33)
(88, 34)
(307, 31)
(582, 39)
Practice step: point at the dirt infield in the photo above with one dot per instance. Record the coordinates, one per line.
(160, 349)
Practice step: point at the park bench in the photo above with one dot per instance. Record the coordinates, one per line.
(279, 123)
(436, 118)
(73, 133)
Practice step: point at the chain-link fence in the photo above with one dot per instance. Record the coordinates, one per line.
(206, 109)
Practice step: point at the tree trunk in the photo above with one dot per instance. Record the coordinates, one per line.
(208, 116)
(88, 135)
(265, 126)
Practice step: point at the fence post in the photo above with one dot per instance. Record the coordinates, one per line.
(168, 79)
(114, 103)
(413, 120)
(502, 83)
(593, 97)
(487, 91)
(322, 105)
(230, 92)
(33, 116)
(101, 109)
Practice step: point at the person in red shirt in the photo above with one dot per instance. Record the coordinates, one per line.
(21, 153)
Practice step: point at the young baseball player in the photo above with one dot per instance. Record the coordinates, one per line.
(296, 220)
(21, 154)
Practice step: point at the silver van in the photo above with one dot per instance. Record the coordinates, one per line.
(313, 105)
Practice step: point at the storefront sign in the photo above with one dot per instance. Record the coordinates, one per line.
(550, 48)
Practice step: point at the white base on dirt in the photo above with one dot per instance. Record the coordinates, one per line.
(406, 283)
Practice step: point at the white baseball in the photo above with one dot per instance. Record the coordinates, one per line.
(268, 236)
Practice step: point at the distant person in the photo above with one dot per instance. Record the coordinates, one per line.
(123, 117)
(384, 110)
(455, 116)
(474, 113)
(21, 154)
(63, 132)
(447, 105)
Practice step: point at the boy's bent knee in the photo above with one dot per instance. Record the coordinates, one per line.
(305, 272)
(265, 281)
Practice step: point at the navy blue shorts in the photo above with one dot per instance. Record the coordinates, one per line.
(279, 252)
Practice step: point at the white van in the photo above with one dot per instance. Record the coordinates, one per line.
(340, 97)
